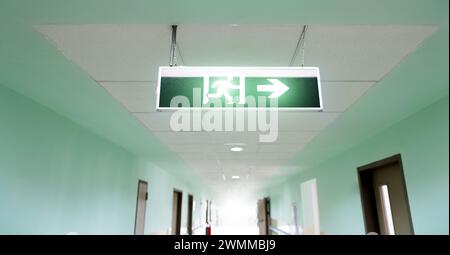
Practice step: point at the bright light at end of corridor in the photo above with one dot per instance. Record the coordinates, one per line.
(237, 213)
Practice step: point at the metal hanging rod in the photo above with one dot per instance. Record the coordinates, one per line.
(173, 47)
(300, 44)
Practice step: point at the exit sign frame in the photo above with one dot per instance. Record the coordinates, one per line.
(273, 73)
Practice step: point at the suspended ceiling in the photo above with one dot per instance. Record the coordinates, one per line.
(34, 67)
(124, 59)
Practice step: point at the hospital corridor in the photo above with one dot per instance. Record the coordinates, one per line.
(224, 118)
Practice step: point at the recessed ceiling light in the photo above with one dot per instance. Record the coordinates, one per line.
(236, 149)
(235, 177)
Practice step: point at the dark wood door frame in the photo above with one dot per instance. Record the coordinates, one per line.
(263, 214)
(371, 222)
(268, 215)
(189, 213)
(137, 203)
(176, 211)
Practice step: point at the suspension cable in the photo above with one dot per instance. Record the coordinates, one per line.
(300, 47)
(173, 47)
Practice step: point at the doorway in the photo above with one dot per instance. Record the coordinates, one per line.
(208, 212)
(310, 208)
(384, 197)
(176, 212)
(264, 216)
(141, 205)
(189, 214)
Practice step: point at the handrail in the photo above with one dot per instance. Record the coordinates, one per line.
(278, 231)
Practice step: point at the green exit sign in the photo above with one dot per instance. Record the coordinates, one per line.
(239, 87)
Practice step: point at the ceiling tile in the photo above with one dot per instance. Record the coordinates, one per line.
(243, 45)
(192, 156)
(296, 137)
(135, 96)
(304, 121)
(236, 155)
(157, 121)
(285, 153)
(287, 121)
(338, 96)
(189, 148)
(262, 174)
(364, 53)
(280, 148)
(264, 169)
(114, 52)
(172, 137)
(204, 163)
(235, 137)
(210, 170)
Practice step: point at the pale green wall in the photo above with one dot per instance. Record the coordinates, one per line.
(423, 141)
(56, 177)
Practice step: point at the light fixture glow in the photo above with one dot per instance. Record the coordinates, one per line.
(236, 149)
(235, 177)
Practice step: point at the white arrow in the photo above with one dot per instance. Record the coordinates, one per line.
(277, 88)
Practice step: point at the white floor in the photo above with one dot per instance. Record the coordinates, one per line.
(245, 230)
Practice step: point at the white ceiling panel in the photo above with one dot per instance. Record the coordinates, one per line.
(171, 137)
(252, 162)
(363, 53)
(236, 169)
(236, 163)
(214, 177)
(263, 174)
(114, 52)
(244, 155)
(190, 148)
(193, 156)
(264, 169)
(205, 163)
(135, 96)
(281, 148)
(277, 155)
(294, 127)
(274, 171)
(157, 121)
(211, 170)
(207, 148)
(246, 137)
(296, 137)
(338, 96)
(160, 121)
(253, 155)
(242, 45)
(304, 121)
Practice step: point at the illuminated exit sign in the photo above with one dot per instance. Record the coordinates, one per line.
(239, 87)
